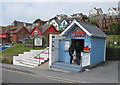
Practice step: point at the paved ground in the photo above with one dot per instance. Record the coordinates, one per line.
(10, 76)
(109, 70)
(107, 73)
(44, 66)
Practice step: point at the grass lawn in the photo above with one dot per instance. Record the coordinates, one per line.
(7, 54)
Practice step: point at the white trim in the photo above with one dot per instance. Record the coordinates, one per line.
(56, 24)
(83, 28)
(67, 28)
(64, 21)
(50, 50)
(105, 50)
(75, 22)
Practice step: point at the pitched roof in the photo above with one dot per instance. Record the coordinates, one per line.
(91, 30)
(17, 29)
(23, 23)
(95, 31)
(99, 9)
(30, 28)
(101, 17)
(43, 28)
(2, 29)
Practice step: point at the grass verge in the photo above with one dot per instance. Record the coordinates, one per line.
(7, 54)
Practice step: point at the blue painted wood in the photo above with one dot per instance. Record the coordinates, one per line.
(96, 46)
(67, 57)
(97, 50)
(67, 67)
(61, 51)
(64, 55)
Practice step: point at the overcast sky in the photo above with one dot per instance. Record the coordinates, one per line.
(28, 11)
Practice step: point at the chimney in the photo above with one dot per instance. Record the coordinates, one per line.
(94, 7)
(40, 23)
(15, 23)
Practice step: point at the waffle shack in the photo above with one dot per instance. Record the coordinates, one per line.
(79, 46)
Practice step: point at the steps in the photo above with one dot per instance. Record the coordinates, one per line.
(66, 66)
(27, 58)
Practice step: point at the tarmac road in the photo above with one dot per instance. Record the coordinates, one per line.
(17, 78)
(10, 76)
(107, 73)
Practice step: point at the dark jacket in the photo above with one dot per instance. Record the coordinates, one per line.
(71, 50)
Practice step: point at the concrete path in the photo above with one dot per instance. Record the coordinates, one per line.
(44, 66)
(107, 73)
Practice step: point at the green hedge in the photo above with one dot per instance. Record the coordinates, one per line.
(108, 32)
(112, 53)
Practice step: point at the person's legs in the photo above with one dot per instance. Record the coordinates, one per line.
(78, 58)
(71, 59)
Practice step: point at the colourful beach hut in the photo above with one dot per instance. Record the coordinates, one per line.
(87, 38)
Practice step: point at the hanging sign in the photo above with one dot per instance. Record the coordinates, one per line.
(78, 33)
(38, 42)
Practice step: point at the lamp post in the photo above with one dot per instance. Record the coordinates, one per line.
(113, 36)
(33, 42)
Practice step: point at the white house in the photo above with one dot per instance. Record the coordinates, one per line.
(112, 11)
(55, 24)
(63, 24)
(95, 12)
(76, 15)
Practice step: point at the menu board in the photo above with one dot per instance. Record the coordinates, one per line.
(38, 42)
(85, 59)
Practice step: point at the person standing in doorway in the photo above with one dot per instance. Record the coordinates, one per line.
(71, 51)
(78, 52)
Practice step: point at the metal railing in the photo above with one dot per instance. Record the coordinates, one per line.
(41, 53)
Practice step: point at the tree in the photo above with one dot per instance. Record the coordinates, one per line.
(94, 22)
(114, 28)
(85, 17)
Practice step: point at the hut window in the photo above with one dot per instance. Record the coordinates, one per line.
(35, 32)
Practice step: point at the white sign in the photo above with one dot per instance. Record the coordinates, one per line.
(38, 41)
(67, 44)
(53, 48)
(85, 59)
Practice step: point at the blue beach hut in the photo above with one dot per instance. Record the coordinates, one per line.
(86, 37)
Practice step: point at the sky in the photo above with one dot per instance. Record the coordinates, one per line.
(29, 10)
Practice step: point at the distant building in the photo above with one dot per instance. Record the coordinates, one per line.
(77, 15)
(17, 34)
(61, 16)
(60, 22)
(43, 30)
(55, 23)
(18, 23)
(104, 21)
(95, 12)
(113, 11)
(4, 37)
